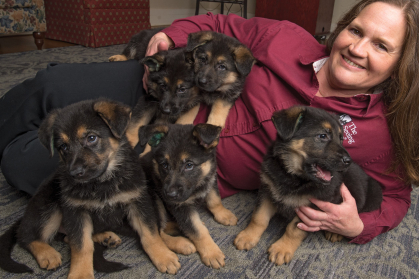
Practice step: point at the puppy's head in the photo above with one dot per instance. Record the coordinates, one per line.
(309, 142)
(182, 158)
(87, 136)
(171, 81)
(220, 61)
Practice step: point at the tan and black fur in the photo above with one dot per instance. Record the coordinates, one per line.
(172, 95)
(99, 187)
(307, 160)
(137, 46)
(221, 65)
(182, 166)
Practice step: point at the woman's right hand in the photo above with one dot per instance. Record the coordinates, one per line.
(158, 42)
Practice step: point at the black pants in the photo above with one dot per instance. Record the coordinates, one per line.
(24, 161)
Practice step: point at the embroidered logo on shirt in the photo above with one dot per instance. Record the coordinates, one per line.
(349, 128)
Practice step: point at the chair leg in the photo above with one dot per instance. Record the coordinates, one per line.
(39, 39)
(197, 7)
(245, 8)
(222, 7)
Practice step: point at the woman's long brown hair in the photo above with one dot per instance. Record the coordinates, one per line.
(401, 91)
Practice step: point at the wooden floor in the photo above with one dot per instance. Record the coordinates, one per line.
(12, 44)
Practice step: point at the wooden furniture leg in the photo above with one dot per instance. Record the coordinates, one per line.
(39, 39)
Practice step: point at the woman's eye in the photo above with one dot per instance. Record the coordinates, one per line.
(222, 67)
(355, 32)
(189, 167)
(382, 47)
(91, 138)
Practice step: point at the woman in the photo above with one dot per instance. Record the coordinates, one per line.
(373, 48)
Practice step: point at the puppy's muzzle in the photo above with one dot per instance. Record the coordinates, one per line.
(346, 160)
(77, 171)
(174, 192)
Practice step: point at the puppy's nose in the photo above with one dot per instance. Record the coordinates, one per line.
(77, 171)
(203, 80)
(346, 160)
(166, 109)
(172, 193)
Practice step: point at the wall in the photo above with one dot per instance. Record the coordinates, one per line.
(164, 12)
(340, 8)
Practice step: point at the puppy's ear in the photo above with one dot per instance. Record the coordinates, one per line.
(198, 39)
(46, 133)
(115, 115)
(244, 59)
(189, 58)
(207, 135)
(152, 134)
(288, 121)
(154, 62)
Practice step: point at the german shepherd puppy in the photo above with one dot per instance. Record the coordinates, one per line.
(98, 187)
(137, 46)
(173, 96)
(307, 160)
(182, 166)
(221, 65)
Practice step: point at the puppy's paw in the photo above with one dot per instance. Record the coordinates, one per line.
(167, 262)
(333, 237)
(180, 245)
(49, 259)
(225, 217)
(281, 252)
(107, 239)
(80, 275)
(245, 240)
(213, 257)
(118, 57)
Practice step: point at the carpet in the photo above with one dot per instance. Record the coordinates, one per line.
(394, 254)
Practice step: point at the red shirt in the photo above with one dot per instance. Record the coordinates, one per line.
(283, 77)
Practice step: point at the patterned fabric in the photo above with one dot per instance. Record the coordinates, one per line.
(19, 16)
(96, 23)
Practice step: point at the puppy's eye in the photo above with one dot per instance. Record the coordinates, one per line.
(222, 67)
(91, 139)
(181, 90)
(63, 147)
(164, 165)
(323, 137)
(189, 166)
(202, 59)
(164, 87)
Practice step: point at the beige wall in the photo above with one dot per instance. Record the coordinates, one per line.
(340, 8)
(164, 12)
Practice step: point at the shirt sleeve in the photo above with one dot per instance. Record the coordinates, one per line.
(396, 202)
(248, 31)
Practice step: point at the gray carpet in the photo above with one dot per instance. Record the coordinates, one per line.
(392, 255)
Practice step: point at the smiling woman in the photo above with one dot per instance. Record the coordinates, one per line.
(402, 83)
(365, 53)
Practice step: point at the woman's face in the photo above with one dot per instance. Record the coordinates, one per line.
(366, 52)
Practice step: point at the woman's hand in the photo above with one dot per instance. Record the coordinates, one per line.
(341, 218)
(158, 42)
